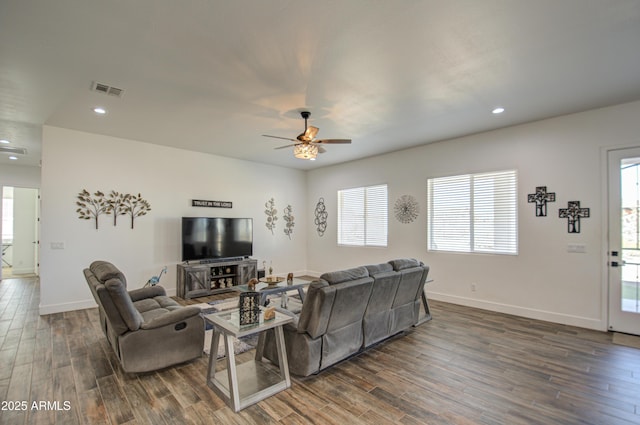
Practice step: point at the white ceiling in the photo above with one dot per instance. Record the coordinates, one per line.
(214, 75)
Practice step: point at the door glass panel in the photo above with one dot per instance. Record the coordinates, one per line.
(630, 260)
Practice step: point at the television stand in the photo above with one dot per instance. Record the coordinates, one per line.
(214, 277)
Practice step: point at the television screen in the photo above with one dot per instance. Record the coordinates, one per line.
(212, 238)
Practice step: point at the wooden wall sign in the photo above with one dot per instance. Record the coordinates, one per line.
(211, 204)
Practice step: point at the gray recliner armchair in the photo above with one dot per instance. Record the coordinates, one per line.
(146, 329)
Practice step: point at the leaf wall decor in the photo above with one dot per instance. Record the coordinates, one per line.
(116, 204)
(271, 212)
(289, 221)
(93, 206)
(135, 206)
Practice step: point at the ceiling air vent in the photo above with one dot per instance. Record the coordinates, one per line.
(107, 89)
(12, 150)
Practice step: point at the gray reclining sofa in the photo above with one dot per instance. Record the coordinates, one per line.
(146, 329)
(347, 311)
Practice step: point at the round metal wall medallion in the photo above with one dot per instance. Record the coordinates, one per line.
(406, 209)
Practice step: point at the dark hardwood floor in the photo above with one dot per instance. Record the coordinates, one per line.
(466, 366)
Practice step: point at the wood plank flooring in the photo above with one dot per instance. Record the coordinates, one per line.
(466, 366)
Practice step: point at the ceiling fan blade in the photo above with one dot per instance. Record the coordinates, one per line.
(309, 134)
(333, 141)
(286, 146)
(278, 137)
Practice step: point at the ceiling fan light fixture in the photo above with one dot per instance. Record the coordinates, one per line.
(305, 151)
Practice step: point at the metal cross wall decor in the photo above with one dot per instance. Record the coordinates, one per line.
(541, 197)
(573, 214)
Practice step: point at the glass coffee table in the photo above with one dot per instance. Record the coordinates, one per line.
(265, 289)
(247, 383)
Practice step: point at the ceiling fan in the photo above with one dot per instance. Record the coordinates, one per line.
(305, 146)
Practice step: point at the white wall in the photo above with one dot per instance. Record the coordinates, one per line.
(169, 179)
(544, 281)
(20, 176)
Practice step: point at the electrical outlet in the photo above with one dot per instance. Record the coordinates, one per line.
(578, 248)
(473, 287)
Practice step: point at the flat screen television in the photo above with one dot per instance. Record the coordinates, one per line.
(211, 238)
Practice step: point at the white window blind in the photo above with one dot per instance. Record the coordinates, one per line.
(473, 213)
(362, 216)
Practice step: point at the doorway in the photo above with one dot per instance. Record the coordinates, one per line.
(20, 212)
(624, 240)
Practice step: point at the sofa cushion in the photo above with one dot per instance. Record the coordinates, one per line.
(121, 299)
(104, 271)
(374, 269)
(404, 263)
(344, 275)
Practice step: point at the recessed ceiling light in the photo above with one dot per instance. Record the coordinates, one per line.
(6, 142)
(498, 110)
(13, 157)
(99, 110)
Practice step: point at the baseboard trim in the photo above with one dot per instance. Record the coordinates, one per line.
(547, 316)
(16, 272)
(61, 308)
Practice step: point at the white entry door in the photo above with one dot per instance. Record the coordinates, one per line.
(624, 240)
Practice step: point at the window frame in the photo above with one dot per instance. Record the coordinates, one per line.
(491, 222)
(364, 219)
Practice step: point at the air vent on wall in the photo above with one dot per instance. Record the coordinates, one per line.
(107, 89)
(12, 150)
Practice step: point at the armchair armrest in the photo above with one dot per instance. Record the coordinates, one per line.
(147, 292)
(174, 316)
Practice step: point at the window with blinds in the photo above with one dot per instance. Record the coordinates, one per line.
(473, 213)
(362, 216)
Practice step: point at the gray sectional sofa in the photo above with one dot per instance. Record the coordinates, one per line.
(347, 311)
(146, 329)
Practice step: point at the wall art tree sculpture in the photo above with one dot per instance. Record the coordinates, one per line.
(135, 206)
(271, 212)
(116, 205)
(92, 207)
(289, 221)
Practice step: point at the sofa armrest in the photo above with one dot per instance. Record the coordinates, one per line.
(293, 326)
(174, 316)
(295, 316)
(146, 292)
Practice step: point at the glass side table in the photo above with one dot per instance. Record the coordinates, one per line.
(247, 383)
(266, 289)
